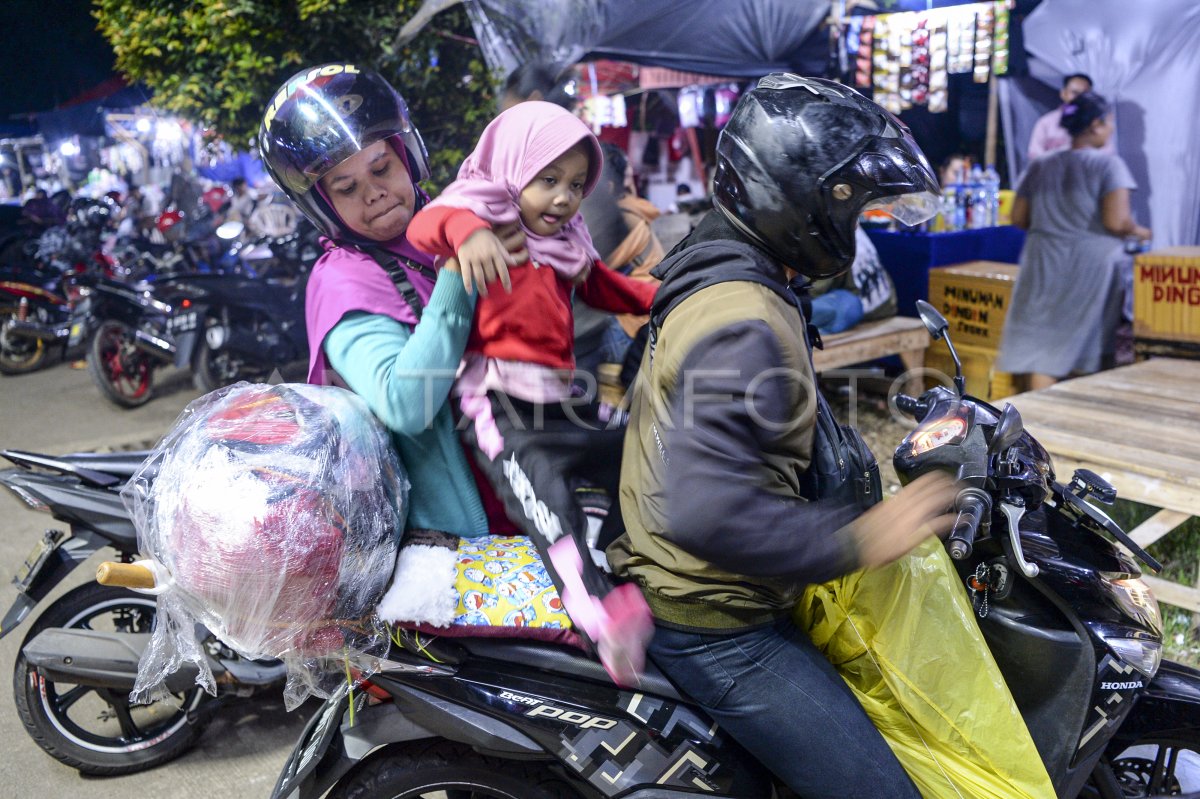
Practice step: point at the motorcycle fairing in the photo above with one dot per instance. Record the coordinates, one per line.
(1117, 686)
(616, 740)
(1166, 710)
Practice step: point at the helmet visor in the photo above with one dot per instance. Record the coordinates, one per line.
(908, 209)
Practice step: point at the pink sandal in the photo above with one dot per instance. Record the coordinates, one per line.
(621, 624)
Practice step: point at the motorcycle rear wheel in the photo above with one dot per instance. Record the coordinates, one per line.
(93, 730)
(443, 768)
(123, 374)
(1158, 768)
(19, 356)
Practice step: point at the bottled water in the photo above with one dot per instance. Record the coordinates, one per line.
(991, 186)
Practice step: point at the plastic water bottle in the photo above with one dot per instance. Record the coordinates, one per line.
(960, 206)
(977, 210)
(991, 187)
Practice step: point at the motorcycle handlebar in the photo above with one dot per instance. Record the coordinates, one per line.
(961, 540)
(912, 406)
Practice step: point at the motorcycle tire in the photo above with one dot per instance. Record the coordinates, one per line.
(1153, 768)
(426, 768)
(124, 375)
(96, 731)
(19, 356)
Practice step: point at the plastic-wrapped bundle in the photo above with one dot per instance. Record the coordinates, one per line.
(276, 512)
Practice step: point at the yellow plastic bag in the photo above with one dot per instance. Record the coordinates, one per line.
(905, 640)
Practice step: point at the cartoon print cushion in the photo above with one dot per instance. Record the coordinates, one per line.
(490, 586)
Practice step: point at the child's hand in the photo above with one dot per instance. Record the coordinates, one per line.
(513, 239)
(483, 258)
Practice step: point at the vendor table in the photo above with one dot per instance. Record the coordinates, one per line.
(908, 256)
(1138, 427)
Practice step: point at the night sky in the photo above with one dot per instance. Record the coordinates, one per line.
(51, 52)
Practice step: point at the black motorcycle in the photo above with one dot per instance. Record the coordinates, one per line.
(225, 327)
(38, 291)
(78, 662)
(1073, 628)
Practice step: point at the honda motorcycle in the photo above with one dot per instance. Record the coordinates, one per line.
(1073, 628)
(224, 327)
(78, 662)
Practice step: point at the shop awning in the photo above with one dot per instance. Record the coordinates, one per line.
(737, 38)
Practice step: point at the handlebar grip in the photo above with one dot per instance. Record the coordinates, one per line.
(124, 575)
(911, 406)
(961, 540)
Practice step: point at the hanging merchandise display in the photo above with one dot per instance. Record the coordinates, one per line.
(905, 58)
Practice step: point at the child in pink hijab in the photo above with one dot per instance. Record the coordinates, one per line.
(535, 163)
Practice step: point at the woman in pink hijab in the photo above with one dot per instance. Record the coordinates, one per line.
(534, 164)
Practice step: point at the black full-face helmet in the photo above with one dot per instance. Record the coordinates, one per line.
(322, 116)
(801, 158)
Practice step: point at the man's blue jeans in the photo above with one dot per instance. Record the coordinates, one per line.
(773, 692)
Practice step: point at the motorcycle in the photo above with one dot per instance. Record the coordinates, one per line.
(225, 327)
(37, 293)
(78, 662)
(1073, 628)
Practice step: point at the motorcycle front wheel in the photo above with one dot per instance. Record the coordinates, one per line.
(123, 373)
(96, 730)
(442, 768)
(1159, 768)
(19, 355)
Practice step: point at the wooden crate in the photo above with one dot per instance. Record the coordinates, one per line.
(974, 297)
(983, 381)
(1166, 295)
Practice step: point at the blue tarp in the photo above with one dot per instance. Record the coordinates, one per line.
(87, 119)
(241, 165)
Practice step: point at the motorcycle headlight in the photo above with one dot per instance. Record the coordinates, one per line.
(1143, 655)
(946, 430)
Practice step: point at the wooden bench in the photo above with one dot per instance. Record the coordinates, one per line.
(899, 335)
(896, 335)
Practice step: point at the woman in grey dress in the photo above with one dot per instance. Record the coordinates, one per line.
(1067, 302)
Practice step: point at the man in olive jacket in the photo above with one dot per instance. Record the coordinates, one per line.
(725, 523)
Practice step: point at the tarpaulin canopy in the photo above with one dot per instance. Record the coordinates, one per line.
(737, 38)
(87, 118)
(1148, 65)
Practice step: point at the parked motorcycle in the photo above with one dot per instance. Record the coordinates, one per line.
(1073, 628)
(225, 327)
(37, 293)
(78, 662)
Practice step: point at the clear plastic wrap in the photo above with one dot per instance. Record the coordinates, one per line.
(275, 513)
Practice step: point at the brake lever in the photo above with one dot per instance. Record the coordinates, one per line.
(1014, 513)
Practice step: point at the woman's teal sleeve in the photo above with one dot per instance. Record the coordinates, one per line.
(404, 374)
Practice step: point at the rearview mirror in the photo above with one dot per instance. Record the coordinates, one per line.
(938, 327)
(935, 323)
(1008, 430)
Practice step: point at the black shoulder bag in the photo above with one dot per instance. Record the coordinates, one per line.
(843, 466)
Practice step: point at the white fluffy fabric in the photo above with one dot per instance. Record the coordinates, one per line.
(422, 589)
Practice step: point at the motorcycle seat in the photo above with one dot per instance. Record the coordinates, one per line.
(563, 660)
(121, 464)
(100, 469)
